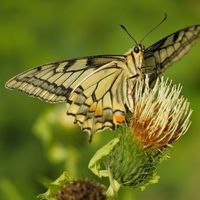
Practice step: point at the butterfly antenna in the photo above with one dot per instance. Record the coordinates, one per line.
(155, 27)
(123, 27)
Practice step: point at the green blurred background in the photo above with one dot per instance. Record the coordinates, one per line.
(37, 142)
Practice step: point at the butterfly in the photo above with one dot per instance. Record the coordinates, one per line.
(99, 90)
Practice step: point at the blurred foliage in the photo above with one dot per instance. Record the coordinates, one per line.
(35, 143)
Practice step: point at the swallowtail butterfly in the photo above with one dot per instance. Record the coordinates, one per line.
(99, 89)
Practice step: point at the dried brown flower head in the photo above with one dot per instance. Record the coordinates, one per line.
(80, 190)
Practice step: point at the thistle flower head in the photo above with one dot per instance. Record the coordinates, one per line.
(161, 115)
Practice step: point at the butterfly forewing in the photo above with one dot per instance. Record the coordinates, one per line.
(170, 49)
(54, 82)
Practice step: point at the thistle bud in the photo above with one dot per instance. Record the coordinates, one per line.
(130, 165)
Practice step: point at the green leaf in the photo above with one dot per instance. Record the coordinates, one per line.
(94, 164)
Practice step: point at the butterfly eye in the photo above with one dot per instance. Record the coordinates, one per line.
(136, 50)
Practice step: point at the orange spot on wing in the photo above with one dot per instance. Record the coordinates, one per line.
(98, 112)
(119, 118)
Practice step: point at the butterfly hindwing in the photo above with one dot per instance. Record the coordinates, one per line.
(98, 102)
(54, 82)
(170, 49)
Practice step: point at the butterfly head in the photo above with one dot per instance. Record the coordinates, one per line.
(138, 48)
(138, 54)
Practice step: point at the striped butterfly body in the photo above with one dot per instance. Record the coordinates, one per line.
(99, 90)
